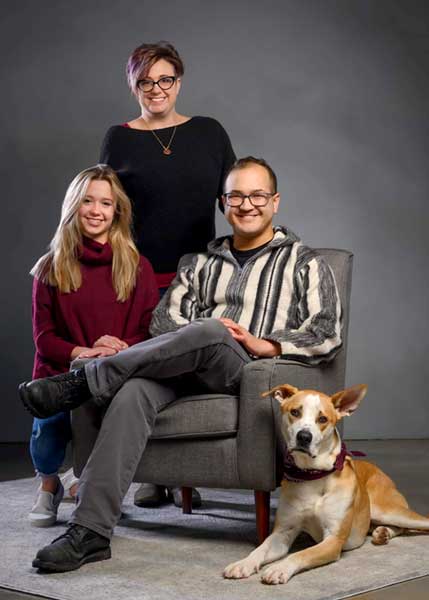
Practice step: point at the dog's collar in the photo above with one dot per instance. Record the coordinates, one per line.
(293, 473)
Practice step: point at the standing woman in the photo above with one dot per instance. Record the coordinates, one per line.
(92, 294)
(172, 167)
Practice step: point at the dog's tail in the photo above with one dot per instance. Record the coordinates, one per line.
(401, 516)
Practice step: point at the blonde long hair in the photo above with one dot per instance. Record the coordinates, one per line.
(60, 266)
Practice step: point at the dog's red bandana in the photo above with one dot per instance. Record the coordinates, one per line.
(293, 473)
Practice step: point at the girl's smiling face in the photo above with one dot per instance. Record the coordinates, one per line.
(97, 211)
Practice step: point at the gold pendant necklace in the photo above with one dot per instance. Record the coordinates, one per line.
(165, 148)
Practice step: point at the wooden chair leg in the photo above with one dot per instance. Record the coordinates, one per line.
(262, 504)
(187, 500)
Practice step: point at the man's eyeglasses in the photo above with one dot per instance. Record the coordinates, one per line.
(165, 83)
(236, 199)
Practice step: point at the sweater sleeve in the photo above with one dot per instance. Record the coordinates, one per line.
(147, 296)
(106, 149)
(178, 306)
(48, 343)
(316, 336)
(228, 159)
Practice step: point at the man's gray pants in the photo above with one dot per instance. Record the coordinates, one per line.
(130, 385)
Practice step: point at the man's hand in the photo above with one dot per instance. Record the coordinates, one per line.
(110, 341)
(252, 344)
(98, 352)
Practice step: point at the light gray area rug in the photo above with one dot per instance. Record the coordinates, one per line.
(162, 554)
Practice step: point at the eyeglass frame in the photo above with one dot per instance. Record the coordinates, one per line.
(154, 83)
(266, 195)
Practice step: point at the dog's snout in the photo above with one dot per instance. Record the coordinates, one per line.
(304, 437)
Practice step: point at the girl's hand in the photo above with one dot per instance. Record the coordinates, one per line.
(77, 350)
(110, 341)
(253, 345)
(97, 352)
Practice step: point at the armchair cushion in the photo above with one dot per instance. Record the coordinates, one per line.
(206, 415)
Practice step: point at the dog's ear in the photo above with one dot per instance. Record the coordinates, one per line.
(281, 392)
(347, 401)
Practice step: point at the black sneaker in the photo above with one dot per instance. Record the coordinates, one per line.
(51, 395)
(77, 546)
(150, 495)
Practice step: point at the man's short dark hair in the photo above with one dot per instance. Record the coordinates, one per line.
(248, 161)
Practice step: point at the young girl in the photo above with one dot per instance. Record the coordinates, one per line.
(93, 294)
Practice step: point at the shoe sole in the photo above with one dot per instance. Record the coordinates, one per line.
(25, 399)
(43, 522)
(50, 567)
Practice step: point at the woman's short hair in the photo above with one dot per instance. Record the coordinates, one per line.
(145, 56)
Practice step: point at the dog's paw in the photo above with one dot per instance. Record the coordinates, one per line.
(381, 535)
(240, 569)
(275, 575)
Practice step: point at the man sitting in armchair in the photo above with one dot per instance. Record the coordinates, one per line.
(258, 293)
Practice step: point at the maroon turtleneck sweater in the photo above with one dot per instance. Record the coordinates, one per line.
(63, 321)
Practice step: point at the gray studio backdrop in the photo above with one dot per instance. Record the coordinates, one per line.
(333, 93)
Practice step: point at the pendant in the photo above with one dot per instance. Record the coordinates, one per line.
(166, 151)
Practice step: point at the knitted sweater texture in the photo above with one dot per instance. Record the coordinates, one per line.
(285, 293)
(62, 321)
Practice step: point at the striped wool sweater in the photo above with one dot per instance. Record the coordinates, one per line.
(284, 293)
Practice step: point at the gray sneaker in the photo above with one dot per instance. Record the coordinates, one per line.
(45, 509)
(68, 480)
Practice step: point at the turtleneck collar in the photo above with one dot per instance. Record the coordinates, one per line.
(94, 253)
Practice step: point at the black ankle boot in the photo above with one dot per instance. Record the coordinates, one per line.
(77, 546)
(51, 395)
(150, 495)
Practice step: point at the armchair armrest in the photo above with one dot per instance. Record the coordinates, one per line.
(256, 439)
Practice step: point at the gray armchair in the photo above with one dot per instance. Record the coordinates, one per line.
(221, 441)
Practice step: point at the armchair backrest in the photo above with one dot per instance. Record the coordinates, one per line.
(341, 263)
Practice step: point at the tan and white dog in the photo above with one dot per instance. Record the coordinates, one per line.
(324, 492)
